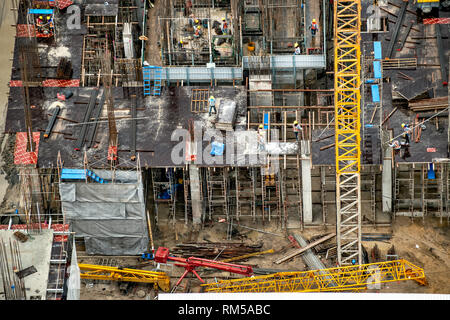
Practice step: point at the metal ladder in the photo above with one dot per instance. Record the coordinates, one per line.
(217, 198)
(157, 81)
(146, 76)
(149, 74)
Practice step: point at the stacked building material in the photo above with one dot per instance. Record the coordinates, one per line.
(429, 104)
(210, 250)
(227, 115)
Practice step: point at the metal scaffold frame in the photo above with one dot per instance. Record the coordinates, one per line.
(347, 67)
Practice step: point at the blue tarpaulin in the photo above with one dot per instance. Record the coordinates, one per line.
(431, 173)
(377, 69)
(76, 174)
(377, 49)
(40, 11)
(266, 121)
(217, 148)
(375, 93)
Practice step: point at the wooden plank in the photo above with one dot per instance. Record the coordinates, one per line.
(327, 147)
(389, 115)
(373, 114)
(309, 246)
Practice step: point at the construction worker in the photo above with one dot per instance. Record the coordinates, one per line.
(198, 32)
(314, 27)
(297, 49)
(180, 44)
(191, 20)
(406, 132)
(39, 23)
(396, 146)
(224, 26)
(212, 104)
(297, 128)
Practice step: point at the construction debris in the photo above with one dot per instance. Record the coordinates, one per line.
(211, 249)
(303, 249)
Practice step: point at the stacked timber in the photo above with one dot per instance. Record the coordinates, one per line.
(429, 104)
(210, 250)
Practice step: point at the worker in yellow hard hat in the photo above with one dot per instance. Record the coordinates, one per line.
(297, 49)
(406, 132)
(39, 21)
(198, 32)
(314, 27)
(224, 26)
(212, 104)
(296, 128)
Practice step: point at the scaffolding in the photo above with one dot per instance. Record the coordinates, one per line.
(163, 184)
(291, 193)
(117, 34)
(245, 192)
(217, 183)
(261, 25)
(327, 187)
(194, 35)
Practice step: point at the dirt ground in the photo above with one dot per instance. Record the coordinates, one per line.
(432, 254)
(153, 50)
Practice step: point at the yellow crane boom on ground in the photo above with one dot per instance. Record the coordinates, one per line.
(96, 272)
(348, 278)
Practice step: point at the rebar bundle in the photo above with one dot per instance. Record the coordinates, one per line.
(13, 286)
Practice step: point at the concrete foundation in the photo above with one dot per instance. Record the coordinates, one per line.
(306, 182)
(195, 194)
(36, 251)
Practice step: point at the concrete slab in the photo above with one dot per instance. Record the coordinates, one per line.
(34, 252)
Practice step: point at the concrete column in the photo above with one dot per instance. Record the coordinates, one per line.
(306, 181)
(194, 178)
(386, 189)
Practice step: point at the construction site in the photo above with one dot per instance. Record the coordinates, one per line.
(213, 146)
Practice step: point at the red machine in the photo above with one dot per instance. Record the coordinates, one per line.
(162, 255)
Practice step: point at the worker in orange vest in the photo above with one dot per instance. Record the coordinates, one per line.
(314, 27)
(198, 32)
(224, 26)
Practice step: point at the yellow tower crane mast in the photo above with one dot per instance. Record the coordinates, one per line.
(347, 97)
